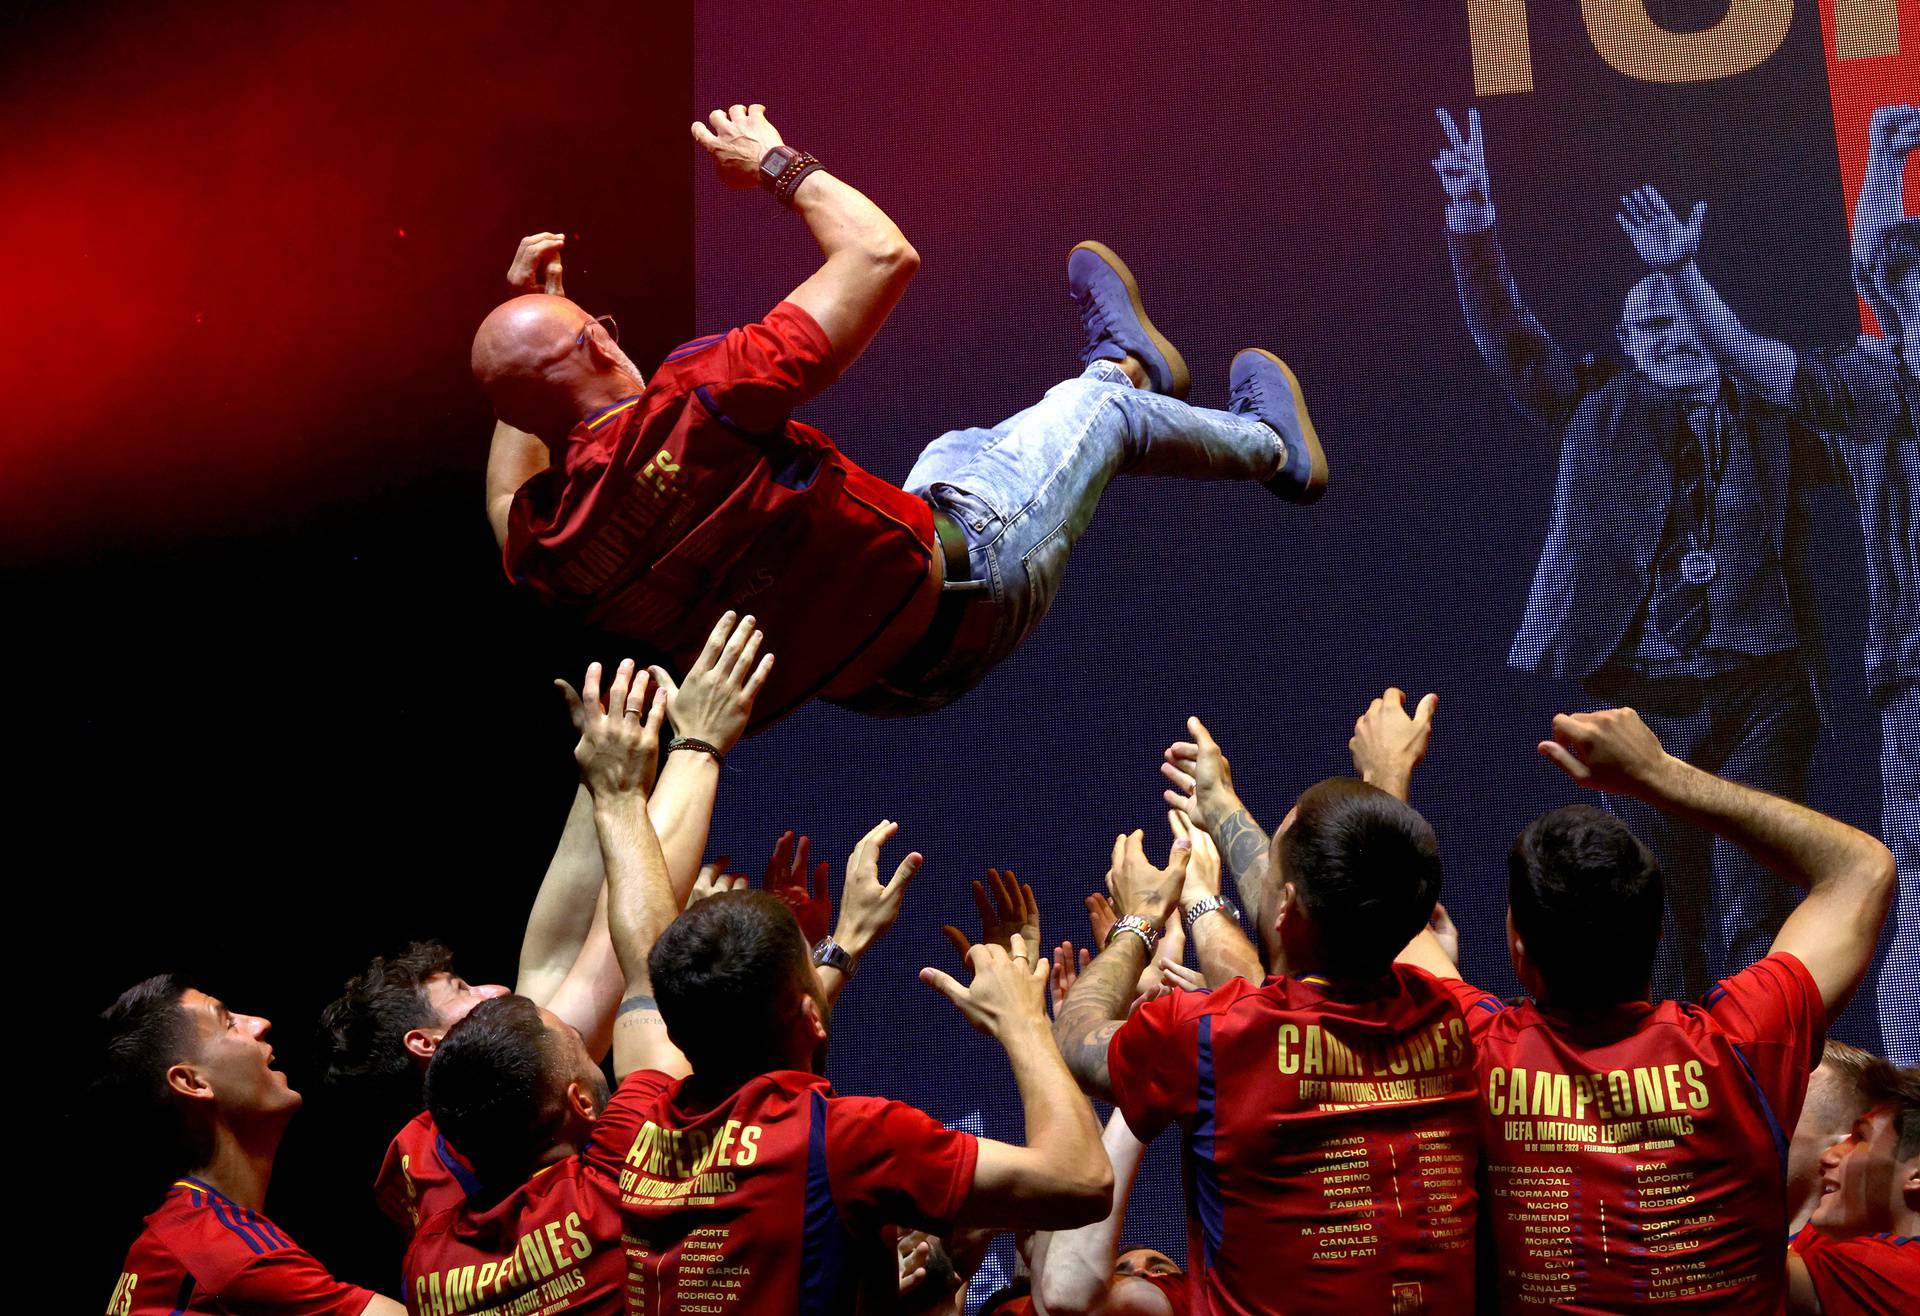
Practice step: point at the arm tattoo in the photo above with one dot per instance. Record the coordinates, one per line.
(1246, 848)
(1094, 1010)
(633, 1003)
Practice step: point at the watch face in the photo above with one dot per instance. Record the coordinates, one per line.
(774, 162)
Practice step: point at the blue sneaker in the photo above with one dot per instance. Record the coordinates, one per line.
(1117, 323)
(1261, 386)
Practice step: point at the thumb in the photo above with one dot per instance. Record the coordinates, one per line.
(664, 679)
(909, 868)
(944, 983)
(1697, 219)
(1562, 758)
(1201, 736)
(554, 288)
(1178, 857)
(572, 696)
(1423, 712)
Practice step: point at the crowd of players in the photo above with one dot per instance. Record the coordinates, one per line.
(1363, 1131)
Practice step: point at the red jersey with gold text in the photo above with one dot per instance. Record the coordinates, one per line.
(1635, 1155)
(1330, 1142)
(776, 1200)
(701, 494)
(422, 1175)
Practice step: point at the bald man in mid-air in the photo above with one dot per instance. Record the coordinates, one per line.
(649, 507)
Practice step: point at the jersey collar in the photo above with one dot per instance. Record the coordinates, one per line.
(607, 413)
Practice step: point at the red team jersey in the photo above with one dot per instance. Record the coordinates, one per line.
(551, 1245)
(1867, 1275)
(1330, 1143)
(776, 1201)
(201, 1254)
(421, 1175)
(1635, 1155)
(699, 494)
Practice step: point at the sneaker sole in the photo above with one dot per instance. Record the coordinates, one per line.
(1317, 478)
(1182, 379)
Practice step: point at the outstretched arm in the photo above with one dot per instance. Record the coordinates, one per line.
(515, 455)
(1219, 943)
(1073, 1270)
(867, 906)
(1671, 246)
(1538, 376)
(1097, 1005)
(869, 261)
(1892, 136)
(1848, 875)
(1202, 787)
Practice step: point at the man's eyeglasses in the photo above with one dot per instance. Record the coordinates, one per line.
(613, 330)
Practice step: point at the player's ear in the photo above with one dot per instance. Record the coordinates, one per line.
(814, 1020)
(187, 1081)
(581, 1102)
(422, 1042)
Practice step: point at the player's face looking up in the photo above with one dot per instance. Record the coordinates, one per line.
(1656, 334)
(1860, 1178)
(232, 1062)
(1143, 1261)
(451, 997)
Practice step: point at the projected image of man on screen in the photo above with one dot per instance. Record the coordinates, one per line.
(1863, 397)
(1669, 580)
(649, 507)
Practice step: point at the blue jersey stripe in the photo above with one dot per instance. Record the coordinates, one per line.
(274, 1236)
(823, 1254)
(1766, 1108)
(469, 1184)
(225, 1213)
(697, 345)
(1206, 1174)
(255, 1232)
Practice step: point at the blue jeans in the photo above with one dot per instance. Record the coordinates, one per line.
(1899, 984)
(1024, 492)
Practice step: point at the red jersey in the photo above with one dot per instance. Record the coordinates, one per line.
(699, 494)
(776, 1201)
(1636, 1155)
(1330, 1143)
(422, 1175)
(551, 1245)
(1866, 1275)
(202, 1254)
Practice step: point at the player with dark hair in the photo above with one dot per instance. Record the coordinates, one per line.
(1860, 1253)
(1639, 1147)
(1865, 398)
(380, 1034)
(1674, 576)
(192, 1086)
(1836, 1097)
(1330, 1135)
(746, 1177)
(643, 503)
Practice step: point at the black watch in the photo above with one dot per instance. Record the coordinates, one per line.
(781, 170)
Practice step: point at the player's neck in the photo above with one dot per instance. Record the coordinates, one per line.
(242, 1162)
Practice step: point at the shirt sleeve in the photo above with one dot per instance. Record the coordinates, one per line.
(289, 1282)
(1478, 1006)
(619, 1124)
(1153, 1062)
(1822, 392)
(888, 1163)
(1773, 1014)
(1872, 1275)
(753, 377)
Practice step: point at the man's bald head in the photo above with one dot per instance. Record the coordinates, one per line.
(530, 360)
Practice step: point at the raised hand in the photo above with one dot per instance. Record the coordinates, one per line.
(1011, 909)
(1203, 869)
(716, 699)
(1008, 988)
(1138, 887)
(615, 746)
(1066, 972)
(737, 138)
(713, 879)
(1611, 750)
(1201, 777)
(536, 265)
(867, 908)
(1101, 916)
(1440, 924)
(1663, 242)
(1462, 166)
(1895, 129)
(787, 878)
(1388, 744)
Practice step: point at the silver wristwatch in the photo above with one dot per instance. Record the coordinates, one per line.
(1139, 927)
(1206, 906)
(830, 954)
